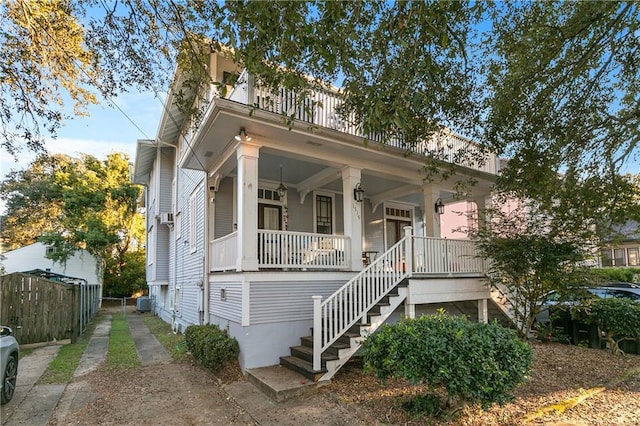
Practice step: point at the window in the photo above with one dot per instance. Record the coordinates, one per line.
(50, 250)
(633, 256)
(192, 221)
(324, 214)
(607, 260)
(619, 257)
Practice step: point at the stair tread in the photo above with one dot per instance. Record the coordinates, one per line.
(302, 364)
(309, 351)
(337, 345)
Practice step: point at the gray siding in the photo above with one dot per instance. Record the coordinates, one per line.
(286, 301)
(189, 265)
(231, 308)
(373, 228)
(300, 215)
(224, 209)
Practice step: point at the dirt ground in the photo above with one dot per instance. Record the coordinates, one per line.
(183, 393)
(561, 375)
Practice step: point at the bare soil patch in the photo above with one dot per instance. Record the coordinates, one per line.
(176, 393)
(560, 373)
(184, 393)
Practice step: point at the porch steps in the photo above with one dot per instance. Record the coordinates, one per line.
(280, 383)
(334, 357)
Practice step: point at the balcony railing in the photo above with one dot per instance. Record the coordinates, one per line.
(319, 107)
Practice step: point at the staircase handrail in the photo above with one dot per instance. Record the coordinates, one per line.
(345, 307)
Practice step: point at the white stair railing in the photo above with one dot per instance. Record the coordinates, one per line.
(344, 308)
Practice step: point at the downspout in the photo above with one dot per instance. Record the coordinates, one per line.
(206, 261)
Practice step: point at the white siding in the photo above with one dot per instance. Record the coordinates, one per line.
(81, 264)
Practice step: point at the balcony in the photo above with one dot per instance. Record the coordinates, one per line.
(319, 108)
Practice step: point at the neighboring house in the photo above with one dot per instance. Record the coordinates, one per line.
(625, 252)
(267, 229)
(81, 264)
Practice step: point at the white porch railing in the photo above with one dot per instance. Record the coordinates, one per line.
(344, 308)
(224, 252)
(445, 256)
(319, 107)
(302, 250)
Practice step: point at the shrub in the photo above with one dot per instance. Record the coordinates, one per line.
(211, 346)
(617, 319)
(473, 362)
(618, 274)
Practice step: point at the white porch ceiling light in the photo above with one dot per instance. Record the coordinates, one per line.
(282, 188)
(242, 136)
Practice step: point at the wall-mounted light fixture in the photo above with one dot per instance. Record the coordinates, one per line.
(282, 188)
(242, 136)
(358, 193)
(439, 206)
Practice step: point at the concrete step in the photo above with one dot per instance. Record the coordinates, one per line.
(280, 383)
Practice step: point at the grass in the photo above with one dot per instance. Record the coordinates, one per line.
(173, 343)
(122, 351)
(61, 369)
(24, 352)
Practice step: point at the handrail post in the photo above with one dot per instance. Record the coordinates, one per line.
(317, 332)
(408, 249)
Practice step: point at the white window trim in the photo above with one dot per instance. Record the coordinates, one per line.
(193, 216)
(395, 205)
(151, 249)
(178, 225)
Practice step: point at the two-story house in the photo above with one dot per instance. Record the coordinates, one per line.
(270, 229)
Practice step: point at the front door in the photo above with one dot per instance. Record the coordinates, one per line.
(395, 231)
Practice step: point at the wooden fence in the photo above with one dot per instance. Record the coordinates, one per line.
(41, 310)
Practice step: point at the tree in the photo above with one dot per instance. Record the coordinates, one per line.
(530, 256)
(33, 201)
(83, 203)
(552, 85)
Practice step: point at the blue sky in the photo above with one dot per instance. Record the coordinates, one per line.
(104, 131)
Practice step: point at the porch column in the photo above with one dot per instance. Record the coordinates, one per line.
(409, 310)
(482, 204)
(483, 311)
(247, 189)
(431, 218)
(352, 215)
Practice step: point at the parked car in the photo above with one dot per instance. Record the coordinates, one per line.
(620, 284)
(553, 298)
(9, 355)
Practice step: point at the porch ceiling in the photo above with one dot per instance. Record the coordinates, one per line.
(306, 154)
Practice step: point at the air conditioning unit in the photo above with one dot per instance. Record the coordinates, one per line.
(166, 218)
